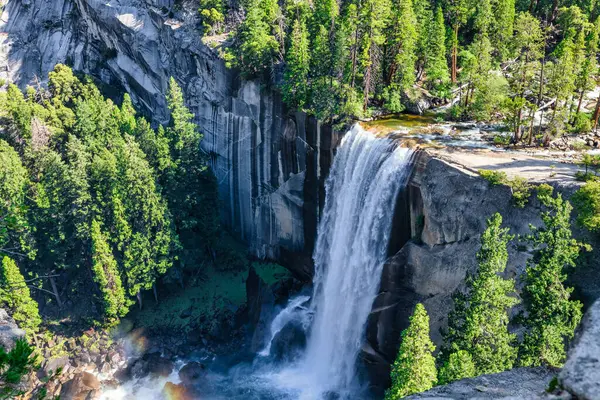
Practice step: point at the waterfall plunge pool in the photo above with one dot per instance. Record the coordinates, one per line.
(366, 178)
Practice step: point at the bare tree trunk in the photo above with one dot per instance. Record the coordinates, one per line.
(532, 116)
(455, 53)
(554, 13)
(55, 290)
(597, 113)
(517, 137)
(580, 101)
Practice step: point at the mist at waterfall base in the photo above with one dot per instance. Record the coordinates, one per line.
(352, 243)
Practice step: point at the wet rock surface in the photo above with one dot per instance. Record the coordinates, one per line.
(289, 342)
(192, 373)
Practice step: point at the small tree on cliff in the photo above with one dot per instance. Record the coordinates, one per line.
(459, 366)
(551, 315)
(479, 323)
(106, 275)
(15, 296)
(414, 369)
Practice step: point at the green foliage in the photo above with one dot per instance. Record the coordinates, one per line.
(295, 89)
(190, 187)
(458, 366)
(582, 123)
(436, 66)
(404, 44)
(520, 187)
(13, 366)
(551, 315)
(16, 297)
(100, 201)
(212, 15)
(258, 44)
(414, 369)
(479, 322)
(15, 235)
(587, 203)
(106, 275)
(494, 177)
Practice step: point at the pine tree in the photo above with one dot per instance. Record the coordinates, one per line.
(16, 297)
(561, 84)
(458, 366)
(529, 46)
(190, 187)
(295, 88)
(259, 46)
(503, 27)
(551, 315)
(425, 20)
(373, 19)
(14, 365)
(404, 42)
(106, 276)
(414, 369)
(479, 324)
(326, 11)
(457, 11)
(483, 17)
(436, 67)
(15, 232)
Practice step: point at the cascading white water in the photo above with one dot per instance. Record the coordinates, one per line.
(353, 238)
(352, 243)
(294, 311)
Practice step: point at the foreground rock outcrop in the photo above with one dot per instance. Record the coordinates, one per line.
(439, 220)
(519, 383)
(581, 373)
(579, 378)
(9, 331)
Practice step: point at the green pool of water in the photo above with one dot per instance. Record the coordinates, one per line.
(400, 121)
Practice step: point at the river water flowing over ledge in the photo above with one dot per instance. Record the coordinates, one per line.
(352, 244)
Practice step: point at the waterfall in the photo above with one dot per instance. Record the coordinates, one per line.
(353, 238)
(351, 248)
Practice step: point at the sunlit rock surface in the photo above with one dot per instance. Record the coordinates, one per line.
(445, 210)
(269, 165)
(581, 373)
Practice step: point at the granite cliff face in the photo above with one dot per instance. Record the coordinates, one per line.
(440, 218)
(269, 164)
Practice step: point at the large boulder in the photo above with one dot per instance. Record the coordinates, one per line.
(151, 364)
(193, 373)
(9, 331)
(581, 373)
(289, 341)
(260, 308)
(177, 391)
(81, 387)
